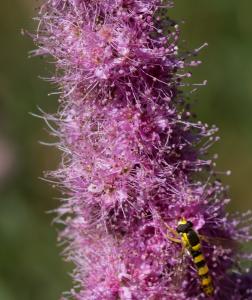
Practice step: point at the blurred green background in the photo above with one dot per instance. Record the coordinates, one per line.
(30, 265)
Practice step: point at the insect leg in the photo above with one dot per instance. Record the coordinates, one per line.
(176, 238)
(173, 239)
(172, 230)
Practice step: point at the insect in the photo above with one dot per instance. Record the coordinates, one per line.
(191, 242)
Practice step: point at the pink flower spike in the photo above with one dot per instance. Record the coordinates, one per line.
(134, 162)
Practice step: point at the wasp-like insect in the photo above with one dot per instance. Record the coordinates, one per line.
(191, 242)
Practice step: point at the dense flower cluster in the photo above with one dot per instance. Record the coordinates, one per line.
(133, 161)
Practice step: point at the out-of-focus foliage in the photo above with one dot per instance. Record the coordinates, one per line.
(30, 267)
(227, 99)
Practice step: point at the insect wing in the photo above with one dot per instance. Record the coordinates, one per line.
(220, 241)
(180, 269)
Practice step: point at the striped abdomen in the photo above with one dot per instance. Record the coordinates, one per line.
(200, 262)
(203, 271)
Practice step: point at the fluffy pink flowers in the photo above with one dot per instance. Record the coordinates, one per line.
(133, 159)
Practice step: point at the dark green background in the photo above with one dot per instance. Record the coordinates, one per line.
(30, 266)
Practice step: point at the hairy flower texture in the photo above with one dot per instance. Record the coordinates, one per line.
(134, 161)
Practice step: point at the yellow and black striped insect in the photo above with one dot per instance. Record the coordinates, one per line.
(190, 241)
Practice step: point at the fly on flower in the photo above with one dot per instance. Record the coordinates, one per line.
(190, 241)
